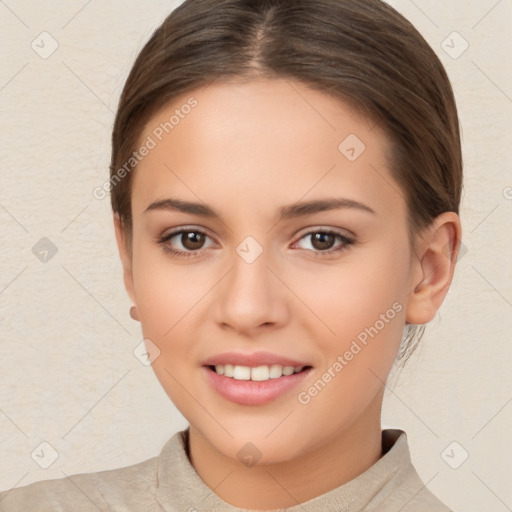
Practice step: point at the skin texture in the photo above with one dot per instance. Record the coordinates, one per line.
(247, 149)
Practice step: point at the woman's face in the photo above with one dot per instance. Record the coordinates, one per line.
(323, 286)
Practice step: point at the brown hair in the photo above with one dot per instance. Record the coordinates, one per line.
(360, 51)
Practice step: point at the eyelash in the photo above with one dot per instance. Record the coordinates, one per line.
(346, 242)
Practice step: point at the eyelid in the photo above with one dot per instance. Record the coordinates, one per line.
(330, 229)
(181, 229)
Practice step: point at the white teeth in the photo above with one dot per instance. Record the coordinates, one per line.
(260, 373)
(242, 373)
(276, 371)
(257, 373)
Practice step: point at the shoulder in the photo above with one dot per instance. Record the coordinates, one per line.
(84, 492)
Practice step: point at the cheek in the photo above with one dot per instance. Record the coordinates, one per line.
(169, 307)
(165, 291)
(360, 315)
(352, 296)
(358, 340)
(169, 302)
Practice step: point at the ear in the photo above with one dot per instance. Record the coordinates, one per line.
(433, 267)
(125, 253)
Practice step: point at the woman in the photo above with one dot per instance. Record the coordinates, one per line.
(285, 182)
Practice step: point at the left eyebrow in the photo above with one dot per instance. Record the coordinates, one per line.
(284, 213)
(320, 205)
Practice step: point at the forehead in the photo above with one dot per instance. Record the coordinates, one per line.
(262, 142)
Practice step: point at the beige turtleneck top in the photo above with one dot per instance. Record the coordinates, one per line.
(168, 482)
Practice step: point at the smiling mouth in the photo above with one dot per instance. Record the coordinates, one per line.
(256, 373)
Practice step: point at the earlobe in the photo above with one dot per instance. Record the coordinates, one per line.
(125, 255)
(433, 268)
(134, 314)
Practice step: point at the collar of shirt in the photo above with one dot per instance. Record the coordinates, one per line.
(178, 481)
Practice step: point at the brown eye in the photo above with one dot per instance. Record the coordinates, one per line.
(192, 240)
(322, 241)
(185, 242)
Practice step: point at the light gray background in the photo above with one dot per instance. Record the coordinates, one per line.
(68, 373)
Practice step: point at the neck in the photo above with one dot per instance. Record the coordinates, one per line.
(338, 460)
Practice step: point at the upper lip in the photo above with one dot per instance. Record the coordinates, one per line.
(252, 360)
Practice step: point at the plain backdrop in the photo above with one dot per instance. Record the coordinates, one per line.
(68, 373)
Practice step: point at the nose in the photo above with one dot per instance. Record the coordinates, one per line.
(251, 297)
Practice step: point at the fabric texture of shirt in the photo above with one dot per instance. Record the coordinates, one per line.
(169, 482)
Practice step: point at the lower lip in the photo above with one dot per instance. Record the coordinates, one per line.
(248, 392)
